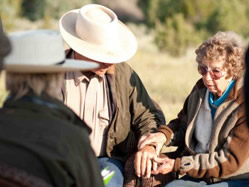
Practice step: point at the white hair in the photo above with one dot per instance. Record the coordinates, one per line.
(45, 83)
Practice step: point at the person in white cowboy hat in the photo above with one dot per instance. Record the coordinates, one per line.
(38, 133)
(112, 99)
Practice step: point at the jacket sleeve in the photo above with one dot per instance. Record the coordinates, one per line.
(175, 130)
(146, 114)
(225, 161)
(82, 163)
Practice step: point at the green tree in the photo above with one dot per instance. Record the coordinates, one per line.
(33, 9)
(176, 35)
(181, 23)
(230, 16)
(38, 9)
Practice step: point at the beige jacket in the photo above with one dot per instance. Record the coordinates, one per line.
(228, 152)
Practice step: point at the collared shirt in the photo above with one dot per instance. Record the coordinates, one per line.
(86, 95)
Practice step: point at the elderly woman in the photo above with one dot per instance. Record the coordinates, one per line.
(212, 124)
(38, 133)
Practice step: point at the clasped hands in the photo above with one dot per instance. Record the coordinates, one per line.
(147, 160)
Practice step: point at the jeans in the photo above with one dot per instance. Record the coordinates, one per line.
(116, 165)
(187, 181)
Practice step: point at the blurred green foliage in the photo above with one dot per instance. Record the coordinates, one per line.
(178, 24)
(33, 9)
(176, 35)
(9, 10)
(183, 23)
(37, 9)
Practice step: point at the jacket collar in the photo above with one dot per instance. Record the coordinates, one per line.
(47, 105)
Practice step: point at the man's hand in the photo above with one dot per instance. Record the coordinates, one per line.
(157, 139)
(165, 165)
(143, 162)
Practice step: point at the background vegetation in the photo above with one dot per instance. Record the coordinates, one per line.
(168, 31)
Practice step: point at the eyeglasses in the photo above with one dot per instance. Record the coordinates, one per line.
(215, 73)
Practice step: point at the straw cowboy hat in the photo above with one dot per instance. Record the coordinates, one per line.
(41, 51)
(95, 32)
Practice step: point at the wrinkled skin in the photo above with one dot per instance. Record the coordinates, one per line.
(149, 147)
(165, 165)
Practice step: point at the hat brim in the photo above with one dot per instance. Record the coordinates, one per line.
(121, 52)
(68, 65)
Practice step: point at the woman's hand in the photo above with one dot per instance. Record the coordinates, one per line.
(165, 165)
(157, 139)
(143, 162)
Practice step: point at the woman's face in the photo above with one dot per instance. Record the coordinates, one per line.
(214, 76)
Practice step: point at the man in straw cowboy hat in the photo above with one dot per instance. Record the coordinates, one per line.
(38, 133)
(111, 99)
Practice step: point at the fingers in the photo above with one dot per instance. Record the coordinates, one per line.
(143, 161)
(165, 165)
(152, 138)
(161, 160)
(146, 164)
(158, 148)
(141, 141)
(137, 164)
(165, 168)
(156, 172)
(148, 168)
(145, 140)
(142, 164)
(154, 165)
(142, 138)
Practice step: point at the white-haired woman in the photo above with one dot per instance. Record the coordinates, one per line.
(38, 134)
(212, 124)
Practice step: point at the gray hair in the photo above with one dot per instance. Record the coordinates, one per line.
(227, 46)
(45, 83)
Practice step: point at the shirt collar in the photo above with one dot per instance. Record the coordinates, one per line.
(217, 102)
(86, 76)
(79, 76)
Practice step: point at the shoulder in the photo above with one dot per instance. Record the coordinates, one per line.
(198, 89)
(238, 91)
(123, 68)
(123, 72)
(199, 84)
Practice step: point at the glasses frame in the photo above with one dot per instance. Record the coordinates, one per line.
(216, 75)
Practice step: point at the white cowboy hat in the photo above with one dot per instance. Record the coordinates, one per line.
(95, 32)
(41, 51)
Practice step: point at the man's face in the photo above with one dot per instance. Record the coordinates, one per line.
(103, 67)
